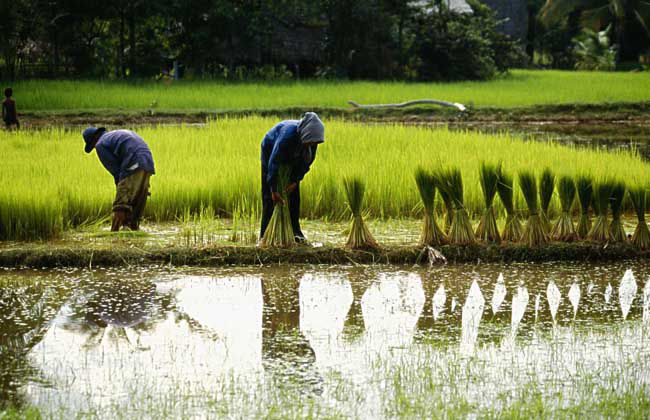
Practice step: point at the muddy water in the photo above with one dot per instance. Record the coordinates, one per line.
(295, 341)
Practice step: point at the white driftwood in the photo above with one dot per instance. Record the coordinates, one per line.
(458, 106)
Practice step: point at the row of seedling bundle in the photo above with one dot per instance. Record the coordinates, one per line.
(603, 196)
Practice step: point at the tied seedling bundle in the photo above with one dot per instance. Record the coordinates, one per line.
(641, 236)
(585, 189)
(534, 233)
(487, 229)
(512, 230)
(564, 229)
(602, 192)
(446, 199)
(431, 234)
(451, 182)
(279, 233)
(360, 237)
(616, 202)
(546, 187)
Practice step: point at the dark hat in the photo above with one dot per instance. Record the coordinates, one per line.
(89, 137)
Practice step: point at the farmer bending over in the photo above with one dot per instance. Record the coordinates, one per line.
(128, 158)
(291, 143)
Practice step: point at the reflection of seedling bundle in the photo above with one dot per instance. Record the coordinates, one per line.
(279, 233)
(534, 233)
(546, 186)
(512, 230)
(641, 236)
(585, 189)
(451, 182)
(360, 237)
(487, 229)
(602, 192)
(563, 229)
(616, 202)
(431, 233)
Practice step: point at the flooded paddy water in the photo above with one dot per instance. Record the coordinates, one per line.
(556, 339)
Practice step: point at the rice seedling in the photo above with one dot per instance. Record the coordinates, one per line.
(641, 236)
(431, 234)
(447, 201)
(512, 230)
(279, 232)
(487, 229)
(451, 181)
(42, 201)
(550, 87)
(564, 229)
(616, 229)
(584, 186)
(359, 237)
(534, 233)
(546, 187)
(600, 230)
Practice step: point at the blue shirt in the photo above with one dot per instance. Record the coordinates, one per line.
(282, 146)
(122, 152)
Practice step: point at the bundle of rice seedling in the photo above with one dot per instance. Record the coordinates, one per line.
(513, 230)
(534, 233)
(451, 182)
(616, 202)
(563, 229)
(602, 191)
(546, 187)
(279, 232)
(360, 237)
(585, 194)
(431, 234)
(487, 229)
(446, 199)
(641, 236)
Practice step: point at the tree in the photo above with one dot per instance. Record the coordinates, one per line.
(629, 19)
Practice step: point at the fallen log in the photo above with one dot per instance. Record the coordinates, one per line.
(458, 106)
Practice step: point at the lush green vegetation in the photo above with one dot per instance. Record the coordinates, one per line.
(520, 88)
(50, 184)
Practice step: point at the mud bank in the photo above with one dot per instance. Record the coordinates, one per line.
(569, 113)
(48, 256)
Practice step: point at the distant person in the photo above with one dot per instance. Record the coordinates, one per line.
(128, 158)
(292, 143)
(9, 114)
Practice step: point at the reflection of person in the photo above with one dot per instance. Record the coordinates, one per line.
(128, 158)
(9, 114)
(291, 143)
(285, 350)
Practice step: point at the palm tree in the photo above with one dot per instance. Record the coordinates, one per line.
(630, 21)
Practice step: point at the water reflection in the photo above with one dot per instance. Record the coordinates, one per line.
(95, 339)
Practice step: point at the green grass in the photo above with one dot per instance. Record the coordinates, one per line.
(50, 184)
(519, 88)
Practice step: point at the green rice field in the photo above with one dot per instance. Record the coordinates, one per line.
(520, 88)
(50, 184)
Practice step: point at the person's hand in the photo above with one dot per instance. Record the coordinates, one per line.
(291, 187)
(277, 198)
